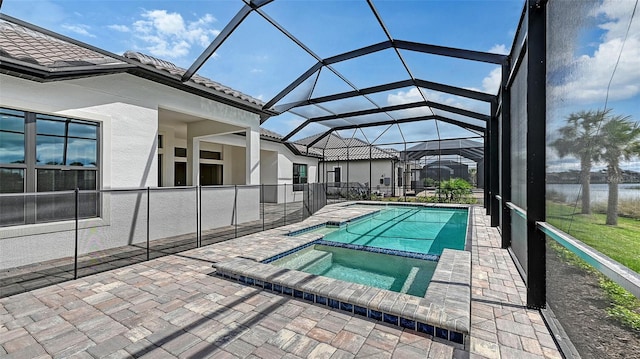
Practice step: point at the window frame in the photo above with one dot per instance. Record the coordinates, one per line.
(31, 167)
(296, 178)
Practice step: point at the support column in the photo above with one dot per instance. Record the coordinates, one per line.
(536, 136)
(168, 158)
(252, 156)
(486, 169)
(193, 161)
(370, 172)
(505, 159)
(494, 207)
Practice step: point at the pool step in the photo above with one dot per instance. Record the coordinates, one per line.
(317, 262)
(410, 279)
(444, 312)
(308, 259)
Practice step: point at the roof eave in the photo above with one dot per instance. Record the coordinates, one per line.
(39, 73)
(35, 72)
(153, 74)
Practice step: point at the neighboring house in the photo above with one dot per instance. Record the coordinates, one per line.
(354, 163)
(75, 116)
(445, 170)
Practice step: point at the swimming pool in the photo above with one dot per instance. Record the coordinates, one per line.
(430, 295)
(416, 229)
(394, 273)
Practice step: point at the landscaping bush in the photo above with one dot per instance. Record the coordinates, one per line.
(454, 190)
(628, 208)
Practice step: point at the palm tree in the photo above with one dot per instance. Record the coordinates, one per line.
(473, 173)
(580, 138)
(621, 141)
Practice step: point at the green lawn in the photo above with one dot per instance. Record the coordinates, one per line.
(621, 242)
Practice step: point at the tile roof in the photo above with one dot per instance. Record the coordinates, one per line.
(270, 134)
(313, 151)
(28, 45)
(338, 148)
(179, 71)
(300, 148)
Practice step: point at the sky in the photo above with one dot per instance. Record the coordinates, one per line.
(260, 61)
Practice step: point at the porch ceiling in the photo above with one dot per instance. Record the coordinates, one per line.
(205, 126)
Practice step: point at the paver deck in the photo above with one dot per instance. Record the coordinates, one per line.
(175, 307)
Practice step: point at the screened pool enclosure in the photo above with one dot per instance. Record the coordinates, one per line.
(545, 130)
(395, 92)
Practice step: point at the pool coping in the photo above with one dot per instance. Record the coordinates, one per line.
(444, 312)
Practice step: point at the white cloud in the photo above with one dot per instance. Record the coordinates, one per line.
(499, 49)
(79, 29)
(168, 35)
(427, 129)
(165, 23)
(119, 28)
(617, 13)
(413, 95)
(491, 83)
(585, 78)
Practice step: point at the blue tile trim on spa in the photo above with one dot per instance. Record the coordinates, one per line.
(358, 247)
(290, 251)
(309, 229)
(329, 224)
(394, 252)
(453, 336)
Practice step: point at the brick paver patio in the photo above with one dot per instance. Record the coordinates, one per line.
(175, 307)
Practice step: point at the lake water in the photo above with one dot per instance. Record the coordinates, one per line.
(599, 192)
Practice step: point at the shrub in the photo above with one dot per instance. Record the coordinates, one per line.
(556, 196)
(454, 190)
(430, 182)
(629, 208)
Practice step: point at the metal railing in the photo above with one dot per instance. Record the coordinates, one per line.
(105, 229)
(616, 272)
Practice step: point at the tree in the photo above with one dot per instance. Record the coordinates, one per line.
(473, 176)
(454, 189)
(580, 138)
(620, 141)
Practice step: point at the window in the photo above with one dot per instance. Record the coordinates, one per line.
(180, 152)
(41, 153)
(11, 137)
(337, 176)
(11, 206)
(210, 155)
(160, 158)
(160, 170)
(66, 142)
(299, 176)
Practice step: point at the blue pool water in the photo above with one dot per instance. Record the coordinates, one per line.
(398, 274)
(413, 229)
(407, 234)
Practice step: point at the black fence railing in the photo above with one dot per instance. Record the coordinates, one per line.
(93, 231)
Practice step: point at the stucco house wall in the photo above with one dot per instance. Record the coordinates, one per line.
(127, 109)
(276, 170)
(144, 112)
(365, 172)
